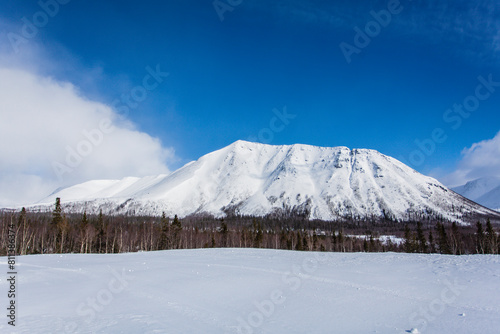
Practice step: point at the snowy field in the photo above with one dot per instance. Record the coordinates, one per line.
(255, 291)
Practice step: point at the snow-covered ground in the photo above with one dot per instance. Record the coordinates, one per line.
(255, 291)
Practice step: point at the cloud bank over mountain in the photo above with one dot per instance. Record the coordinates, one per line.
(53, 136)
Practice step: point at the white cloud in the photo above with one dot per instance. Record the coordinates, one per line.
(480, 160)
(43, 119)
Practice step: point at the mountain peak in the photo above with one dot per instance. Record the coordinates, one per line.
(247, 178)
(476, 188)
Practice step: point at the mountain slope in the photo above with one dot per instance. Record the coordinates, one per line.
(491, 199)
(255, 179)
(485, 191)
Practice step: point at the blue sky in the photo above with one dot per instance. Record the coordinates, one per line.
(227, 76)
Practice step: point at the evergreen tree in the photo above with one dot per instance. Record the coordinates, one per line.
(258, 234)
(372, 244)
(479, 238)
(224, 233)
(165, 232)
(244, 237)
(421, 241)
(444, 246)
(299, 245)
(456, 238)
(57, 213)
(176, 229)
(22, 216)
(491, 238)
(340, 241)
(315, 241)
(305, 243)
(408, 241)
(432, 246)
(23, 227)
(283, 240)
(84, 220)
(83, 224)
(176, 224)
(57, 225)
(365, 246)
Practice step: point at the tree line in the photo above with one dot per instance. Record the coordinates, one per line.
(57, 232)
(455, 239)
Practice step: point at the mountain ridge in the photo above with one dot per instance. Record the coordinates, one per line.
(484, 191)
(245, 178)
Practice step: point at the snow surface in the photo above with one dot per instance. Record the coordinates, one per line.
(485, 191)
(255, 179)
(225, 290)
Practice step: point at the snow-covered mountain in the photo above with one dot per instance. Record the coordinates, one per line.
(255, 179)
(485, 191)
